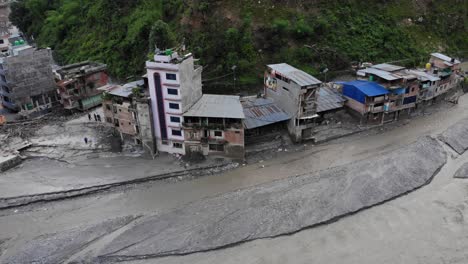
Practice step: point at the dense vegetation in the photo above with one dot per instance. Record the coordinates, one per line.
(313, 35)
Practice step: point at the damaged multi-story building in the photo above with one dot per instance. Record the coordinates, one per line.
(79, 83)
(26, 80)
(128, 108)
(295, 92)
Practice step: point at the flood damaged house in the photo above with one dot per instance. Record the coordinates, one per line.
(365, 100)
(295, 92)
(128, 108)
(79, 83)
(26, 80)
(402, 85)
(214, 125)
(447, 69)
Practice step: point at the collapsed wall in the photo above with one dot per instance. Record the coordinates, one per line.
(281, 207)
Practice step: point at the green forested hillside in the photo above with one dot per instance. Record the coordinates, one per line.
(222, 33)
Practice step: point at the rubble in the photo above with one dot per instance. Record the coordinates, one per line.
(280, 207)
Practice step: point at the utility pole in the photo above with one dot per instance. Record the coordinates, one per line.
(234, 70)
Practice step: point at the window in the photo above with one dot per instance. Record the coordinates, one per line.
(3, 78)
(2, 41)
(286, 89)
(216, 147)
(171, 76)
(108, 120)
(218, 133)
(108, 107)
(175, 119)
(172, 91)
(176, 132)
(177, 145)
(174, 106)
(116, 123)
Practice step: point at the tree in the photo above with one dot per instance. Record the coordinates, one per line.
(161, 36)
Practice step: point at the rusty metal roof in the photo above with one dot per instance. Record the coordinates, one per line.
(300, 77)
(329, 99)
(261, 112)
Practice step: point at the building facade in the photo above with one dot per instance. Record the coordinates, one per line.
(26, 80)
(78, 84)
(447, 69)
(296, 92)
(402, 85)
(174, 84)
(213, 126)
(128, 108)
(366, 100)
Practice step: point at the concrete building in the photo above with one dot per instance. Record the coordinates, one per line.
(213, 125)
(296, 92)
(78, 84)
(175, 86)
(128, 108)
(26, 80)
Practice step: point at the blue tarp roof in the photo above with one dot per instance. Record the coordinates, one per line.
(358, 90)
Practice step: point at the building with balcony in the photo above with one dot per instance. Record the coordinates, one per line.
(403, 87)
(27, 81)
(295, 92)
(428, 86)
(214, 126)
(128, 108)
(79, 83)
(366, 100)
(447, 69)
(174, 83)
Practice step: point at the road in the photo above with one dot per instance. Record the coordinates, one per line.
(427, 226)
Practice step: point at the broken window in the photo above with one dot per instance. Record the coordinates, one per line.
(177, 145)
(216, 147)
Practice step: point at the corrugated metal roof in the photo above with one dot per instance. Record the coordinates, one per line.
(424, 76)
(380, 73)
(388, 67)
(329, 99)
(300, 77)
(262, 112)
(219, 106)
(444, 57)
(358, 90)
(121, 90)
